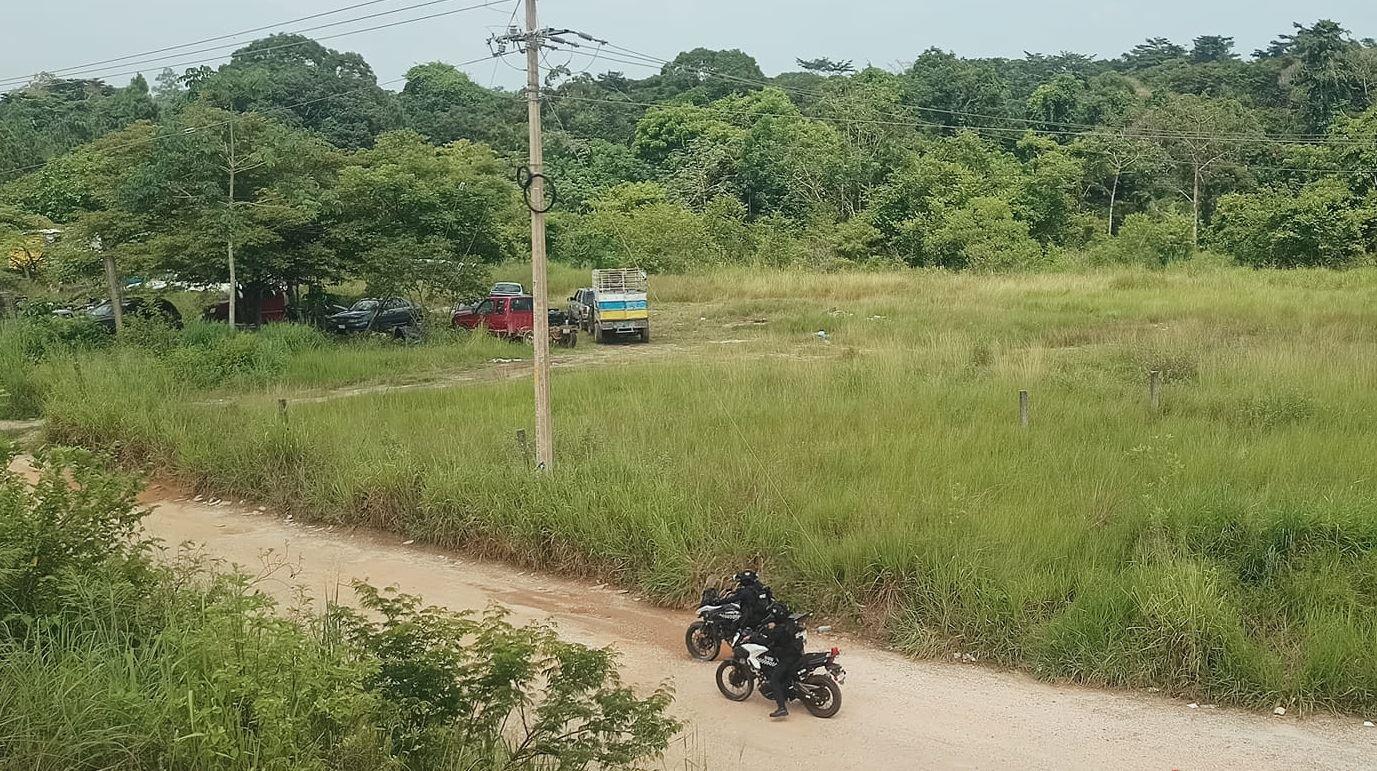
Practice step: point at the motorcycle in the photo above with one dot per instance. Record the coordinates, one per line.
(717, 622)
(820, 691)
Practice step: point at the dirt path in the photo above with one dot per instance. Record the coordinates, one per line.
(896, 713)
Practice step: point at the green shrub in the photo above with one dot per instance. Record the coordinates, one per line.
(239, 358)
(1150, 240)
(294, 337)
(205, 334)
(1321, 226)
(984, 236)
(111, 660)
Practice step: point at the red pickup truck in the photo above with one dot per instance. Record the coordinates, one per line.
(511, 317)
(503, 316)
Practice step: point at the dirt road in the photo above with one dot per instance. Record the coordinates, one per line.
(896, 713)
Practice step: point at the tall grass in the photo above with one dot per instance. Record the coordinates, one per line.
(1222, 547)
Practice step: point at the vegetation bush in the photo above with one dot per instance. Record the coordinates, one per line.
(1320, 226)
(1150, 240)
(110, 659)
(983, 236)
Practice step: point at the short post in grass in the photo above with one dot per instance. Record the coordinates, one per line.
(1023, 408)
(521, 446)
(282, 410)
(1155, 390)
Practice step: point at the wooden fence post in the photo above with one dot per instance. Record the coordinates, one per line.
(282, 410)
(1023, 408)
(1155, 389)
(521, 445)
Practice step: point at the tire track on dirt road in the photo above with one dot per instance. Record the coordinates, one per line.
(896, 713)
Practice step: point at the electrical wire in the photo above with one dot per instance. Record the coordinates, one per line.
(450, 12)
(226, 36)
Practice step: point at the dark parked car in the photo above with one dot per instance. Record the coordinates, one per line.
(581, 306)
(102, 312)
(392, 315)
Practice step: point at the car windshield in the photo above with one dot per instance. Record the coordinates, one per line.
(505, 287)
(364, 305)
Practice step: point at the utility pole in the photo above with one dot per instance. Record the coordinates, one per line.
(232, 167)
(544, 433)
(112, 282)
(532, 180)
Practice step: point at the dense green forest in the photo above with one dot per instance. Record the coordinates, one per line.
(295, 156)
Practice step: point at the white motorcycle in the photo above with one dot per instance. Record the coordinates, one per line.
(817, 683)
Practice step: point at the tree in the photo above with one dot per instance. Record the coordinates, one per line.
(637, 224)
(444, 105)
(1152, 52)
(1213, 48)
(952, 92)
(422, 220)
(1058, 102)
(825, 66)
(1111, 155)
(1325, 83)
(1205, 140)
(21, 239)
(83, 191)
(52, 116)
(299, 82)
(703, 75)
(243, 186)
(1353, 145)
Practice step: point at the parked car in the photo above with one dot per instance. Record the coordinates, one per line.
(102, 312)
(506, 289)
(582, 305)
(512, 318)
(392, 315)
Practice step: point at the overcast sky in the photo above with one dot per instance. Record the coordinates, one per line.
(64, 33)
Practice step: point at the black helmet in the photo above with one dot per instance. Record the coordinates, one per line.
(747, 578)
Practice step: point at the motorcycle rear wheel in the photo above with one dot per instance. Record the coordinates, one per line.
(701, 641)
(821, 695)
(735, 681)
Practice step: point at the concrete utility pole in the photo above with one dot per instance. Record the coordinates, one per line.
(544, 433)
(232, 166)
(112, 282)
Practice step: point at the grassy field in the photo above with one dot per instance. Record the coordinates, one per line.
(1223, 546)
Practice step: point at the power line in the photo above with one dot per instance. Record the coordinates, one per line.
(203, 40)
(486, 4)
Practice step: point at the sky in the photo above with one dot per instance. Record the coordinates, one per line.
(885, 33)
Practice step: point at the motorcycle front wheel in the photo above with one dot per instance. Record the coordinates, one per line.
(735, 681)
(702, 642)
(821, 695)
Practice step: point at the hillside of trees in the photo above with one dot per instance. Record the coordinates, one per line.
(293, 157)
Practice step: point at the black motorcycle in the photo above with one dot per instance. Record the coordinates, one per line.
(717, 622)
(817, 683)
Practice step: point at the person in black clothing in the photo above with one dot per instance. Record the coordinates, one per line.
(784, 639)
(753, 597)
